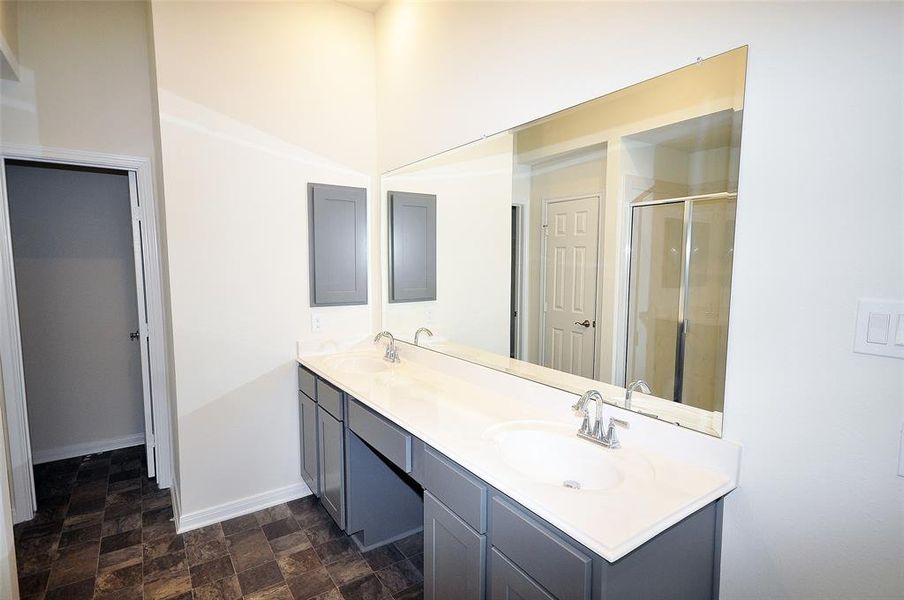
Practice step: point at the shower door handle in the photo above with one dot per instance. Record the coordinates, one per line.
(135, 335)
(584, 323)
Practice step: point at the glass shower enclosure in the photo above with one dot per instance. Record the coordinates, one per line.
(679, 287)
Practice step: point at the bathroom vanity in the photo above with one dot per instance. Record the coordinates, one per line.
(512, 503)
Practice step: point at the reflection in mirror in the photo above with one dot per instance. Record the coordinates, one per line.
(589, 249)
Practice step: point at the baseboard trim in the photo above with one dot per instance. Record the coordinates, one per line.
(242, 506)
(63, 452)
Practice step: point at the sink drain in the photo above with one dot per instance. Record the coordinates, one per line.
(572, 484)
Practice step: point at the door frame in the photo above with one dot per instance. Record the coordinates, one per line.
(545, 202)
(21, 474)
(517, 269)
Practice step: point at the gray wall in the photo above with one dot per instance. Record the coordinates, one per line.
(75, 279)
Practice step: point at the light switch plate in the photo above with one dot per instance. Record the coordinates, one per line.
(880, 328)
(316, 322)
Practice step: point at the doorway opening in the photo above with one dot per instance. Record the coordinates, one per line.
(517, 265)
(83, 359)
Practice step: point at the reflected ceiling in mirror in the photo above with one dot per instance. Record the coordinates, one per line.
(589, 249)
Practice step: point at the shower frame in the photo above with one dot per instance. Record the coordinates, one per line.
(683, 290)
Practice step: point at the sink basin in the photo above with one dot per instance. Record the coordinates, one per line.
(550, 453)
(360, 364)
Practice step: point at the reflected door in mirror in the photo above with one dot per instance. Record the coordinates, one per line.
(570, 269)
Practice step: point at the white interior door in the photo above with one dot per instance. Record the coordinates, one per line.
(570, 267)
(142, 333)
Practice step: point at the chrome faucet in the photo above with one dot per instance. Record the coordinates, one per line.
(392, 353)
(419, 331)
(636, 384)
(597, 435)
(581, 407)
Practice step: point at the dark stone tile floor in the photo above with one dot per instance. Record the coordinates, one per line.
(104, 530)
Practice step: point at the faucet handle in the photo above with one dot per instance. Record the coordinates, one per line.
(611, 437)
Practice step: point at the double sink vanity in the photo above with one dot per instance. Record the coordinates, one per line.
(512, 502)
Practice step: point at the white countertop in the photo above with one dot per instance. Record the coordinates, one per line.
(667, 472)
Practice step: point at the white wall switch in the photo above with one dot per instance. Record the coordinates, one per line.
(880, 328)
(877, 328)
(316, 322)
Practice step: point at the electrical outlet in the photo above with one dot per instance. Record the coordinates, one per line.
(316, 323)
(428, 316)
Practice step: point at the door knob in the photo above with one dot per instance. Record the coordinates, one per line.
(135, 335)
(584, 323)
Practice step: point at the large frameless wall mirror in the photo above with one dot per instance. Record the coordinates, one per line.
(592, 248)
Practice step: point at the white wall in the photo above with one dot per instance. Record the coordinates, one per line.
(75, 282)
(255, 101)
(820, 511)
(84, 78)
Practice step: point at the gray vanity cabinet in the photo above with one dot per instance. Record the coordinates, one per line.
(332, 466)
(307, 415)
(307, 411)
(542, 555)
(508, 582)
(375, 478)
(454, 555)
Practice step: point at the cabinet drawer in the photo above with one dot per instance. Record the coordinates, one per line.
(306, 383)
(384, 436)
(459, 490)
(329, 398)
(507, 581)
(543, 555)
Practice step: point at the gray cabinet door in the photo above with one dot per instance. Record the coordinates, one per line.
(337, 230)
(412, 247)
(332, 467)
(508, 582)
(307, 413)
(454, 555)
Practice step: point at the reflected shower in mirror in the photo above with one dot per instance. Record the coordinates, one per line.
(591, 248)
